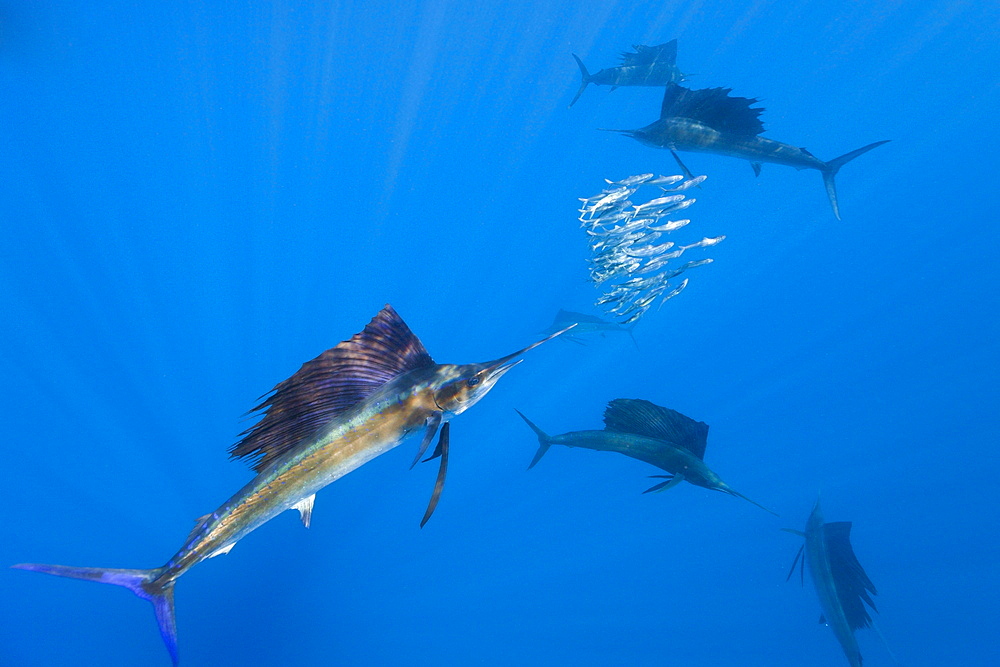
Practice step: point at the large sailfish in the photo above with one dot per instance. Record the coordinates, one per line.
(643, 430)
(342, 409)
(710, 121)
(841, 583)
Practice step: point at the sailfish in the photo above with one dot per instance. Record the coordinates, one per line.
(710, 121)
(643, 430)
(587, 324)
(340, 410)
(841, 583)
(648, 66)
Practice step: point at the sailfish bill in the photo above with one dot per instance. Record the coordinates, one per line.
(347, 406)
(709, 120)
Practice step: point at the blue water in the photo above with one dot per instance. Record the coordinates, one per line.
(198, 197)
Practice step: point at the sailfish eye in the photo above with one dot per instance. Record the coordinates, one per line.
(472, 381)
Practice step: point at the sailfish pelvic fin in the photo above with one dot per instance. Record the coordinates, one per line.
(432, 426)
(442, 451)
(672, 481)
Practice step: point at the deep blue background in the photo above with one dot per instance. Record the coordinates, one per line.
(196, 199)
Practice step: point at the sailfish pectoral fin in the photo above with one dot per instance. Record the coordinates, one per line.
(432, 426)
(442, 451)
(672, 481)
(756, 168)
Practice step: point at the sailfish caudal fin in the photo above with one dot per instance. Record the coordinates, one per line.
(834, 165)
(585, 75)
(144, 583)
(543, 440)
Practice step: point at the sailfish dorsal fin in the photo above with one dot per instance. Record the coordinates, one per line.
(299, 407)
(854, 588)
(650, 55)
(715, 108)
(640, 417)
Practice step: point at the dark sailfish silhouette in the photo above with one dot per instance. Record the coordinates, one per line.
(587, 324)
(710, 121)
(342, 409)
(660, 436)
(648, 66)
(841, 583)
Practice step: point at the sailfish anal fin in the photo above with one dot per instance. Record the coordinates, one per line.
(305, 508)
(301, 406)
(223, 550)
(442, 451)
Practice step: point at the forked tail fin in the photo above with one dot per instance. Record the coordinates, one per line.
(543, 440)
(834, 165)
(585, 75)
(144, 583)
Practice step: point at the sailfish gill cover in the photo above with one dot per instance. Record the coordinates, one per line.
(198, 198)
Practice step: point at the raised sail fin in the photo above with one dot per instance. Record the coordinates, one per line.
(715, 108)
(298, 408)
(661, 54)
(305, 508)
(854, 588)
(640, 417)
